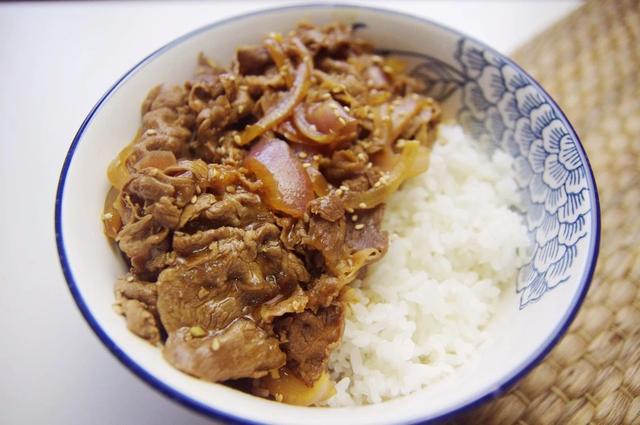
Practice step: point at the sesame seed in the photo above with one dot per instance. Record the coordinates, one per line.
(215, 344)
(197, 332)
(349, 210)
(350, 262)
(151, 132)
(359, 226)
(240, 109)
(362, 205)
(316, 157)
(342, 121)
(362, 156)
(107, 216)
(232, 77)
(302, 155)
(369, 164)
(387, 69)
(237, 139)
(198, 190)
(339, 192)
(335, 90)
(194, 199)
(354, 217)
(346, 108)
(306, 165)
(203, 292)
(326, 96)
(230, 189)
(378, 183)
(243, 87)
(129, 278)
(279, 397)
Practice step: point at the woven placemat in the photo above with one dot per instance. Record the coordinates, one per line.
(590, 63)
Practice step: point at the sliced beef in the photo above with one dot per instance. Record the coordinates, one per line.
(253, 60)
(324, 235)
(141, 239)
(222, 282)
(294, 303)
(137, 302)
(242, 350)
(309, 338)
(322, 291)
(237, 209)
(344, 164)
(366, 232)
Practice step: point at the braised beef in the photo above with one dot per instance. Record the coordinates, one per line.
(235, 284)
(240, 350)
(309, 338)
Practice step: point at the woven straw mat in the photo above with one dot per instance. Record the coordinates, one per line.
(590, 64)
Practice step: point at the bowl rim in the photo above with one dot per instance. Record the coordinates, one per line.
(501, 385)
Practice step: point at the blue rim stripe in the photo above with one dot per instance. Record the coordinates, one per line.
(202, 408)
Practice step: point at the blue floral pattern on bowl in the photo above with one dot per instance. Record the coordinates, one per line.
(502, 108)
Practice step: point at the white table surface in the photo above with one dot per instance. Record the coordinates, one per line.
(56, 60)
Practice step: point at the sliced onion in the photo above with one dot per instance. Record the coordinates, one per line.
(118, 172)
(280, 59)
(406, 109)
(401, 171)
(291, 390)
(111, 217)
(318, 181)
(285, 107)
(286, 185)
(325, 122)
(349, 270)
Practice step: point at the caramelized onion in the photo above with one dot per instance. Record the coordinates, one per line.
(118, 172)
(318, 182)
(289, 389)
(111, 217)
(284, 108)
(287, 186)
(403, 111)
(401, 171)
(280, 59)
(325, 122)
(349, 270)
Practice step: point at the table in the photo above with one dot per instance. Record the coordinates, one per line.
(57, 59)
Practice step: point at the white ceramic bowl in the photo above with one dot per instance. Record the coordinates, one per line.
(493, 98)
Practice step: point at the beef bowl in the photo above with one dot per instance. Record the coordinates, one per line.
(368, 218)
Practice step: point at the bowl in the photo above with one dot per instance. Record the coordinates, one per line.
(497, 103)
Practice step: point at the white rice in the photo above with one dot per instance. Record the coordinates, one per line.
(456, 244)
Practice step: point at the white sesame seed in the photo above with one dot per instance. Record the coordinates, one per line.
(198, 190)
(316, 157)
(107, 216)
(306, 165)
(342, 121)
(338, 192)
(362, 156)
(346, 108)
(215, 344)
(230, 189)
(378, 184)
(194, 198)
(359, 226)
(129, 278)
(237, 139)
(151, 132)
(349, 210)
(362, 205)
(354, 217)
(240, 109)
(302, 155)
